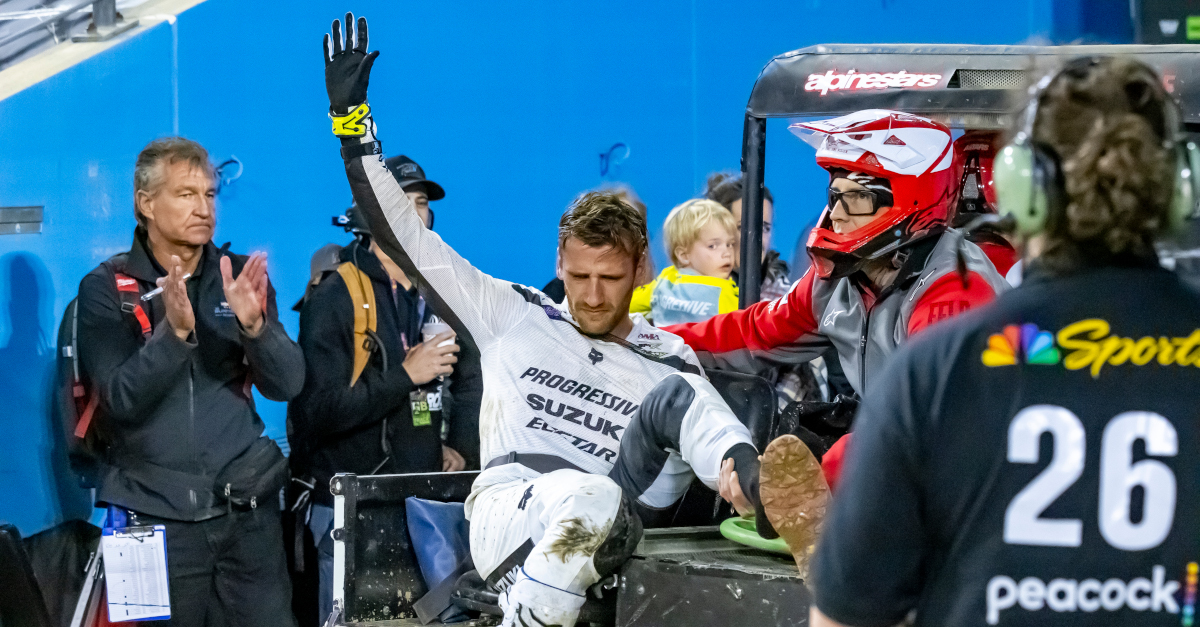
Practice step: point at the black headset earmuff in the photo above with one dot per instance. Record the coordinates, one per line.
(1028, 175)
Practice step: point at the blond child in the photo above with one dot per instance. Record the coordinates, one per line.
(701, 239)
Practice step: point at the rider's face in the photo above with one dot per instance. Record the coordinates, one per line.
(599, 283)
(843, 222)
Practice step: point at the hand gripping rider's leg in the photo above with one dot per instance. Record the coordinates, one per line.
(685, 417)
(683, 424)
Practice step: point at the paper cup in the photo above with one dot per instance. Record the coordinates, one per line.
(431, 329)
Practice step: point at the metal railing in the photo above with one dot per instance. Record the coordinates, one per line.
(106, 23)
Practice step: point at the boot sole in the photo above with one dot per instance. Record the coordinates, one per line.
(794, 495)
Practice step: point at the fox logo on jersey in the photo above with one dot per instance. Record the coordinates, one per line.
(595, 356)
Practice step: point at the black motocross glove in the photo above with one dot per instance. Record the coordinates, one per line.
(819, 424)
(348, 68)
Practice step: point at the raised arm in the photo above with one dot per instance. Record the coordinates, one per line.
(752, 339)
(482, 308)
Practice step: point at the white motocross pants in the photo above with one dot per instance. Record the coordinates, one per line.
(533, 535)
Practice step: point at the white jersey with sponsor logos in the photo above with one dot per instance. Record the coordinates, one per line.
(548, 389)
(574, 402)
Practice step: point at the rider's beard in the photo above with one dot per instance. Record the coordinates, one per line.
(596, 322)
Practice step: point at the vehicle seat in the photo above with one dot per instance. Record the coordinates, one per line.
(752, 400)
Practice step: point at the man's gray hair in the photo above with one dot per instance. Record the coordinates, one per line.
(149, 172)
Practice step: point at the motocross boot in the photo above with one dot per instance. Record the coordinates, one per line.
(794, 495)
(531, 603)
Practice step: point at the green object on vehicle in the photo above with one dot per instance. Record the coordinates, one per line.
(1193, 27)
(745, 531)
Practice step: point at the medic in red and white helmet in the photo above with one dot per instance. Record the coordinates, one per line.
(894, 175)
(884, 265)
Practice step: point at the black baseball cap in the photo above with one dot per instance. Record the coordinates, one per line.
(411, 176)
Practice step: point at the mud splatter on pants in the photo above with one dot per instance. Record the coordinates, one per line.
(533, 535)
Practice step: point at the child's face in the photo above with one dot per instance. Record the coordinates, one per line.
(712, 254)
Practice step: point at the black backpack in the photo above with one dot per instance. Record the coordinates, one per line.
(76, 399)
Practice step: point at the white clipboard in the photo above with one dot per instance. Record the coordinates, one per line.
(135, 573)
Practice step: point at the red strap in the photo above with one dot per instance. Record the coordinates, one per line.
(142, 319)
(130, 292)
(85, 419)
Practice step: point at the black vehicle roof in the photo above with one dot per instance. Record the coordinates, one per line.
(977, 86)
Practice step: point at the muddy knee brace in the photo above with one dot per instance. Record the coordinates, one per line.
(622, 539)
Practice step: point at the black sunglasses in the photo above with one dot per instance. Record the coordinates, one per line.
(857, 202)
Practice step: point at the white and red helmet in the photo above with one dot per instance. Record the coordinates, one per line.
(913, 154)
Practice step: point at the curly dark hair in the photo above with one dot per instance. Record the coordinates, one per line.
(605, 218)
(1105, 118)
(726, 187)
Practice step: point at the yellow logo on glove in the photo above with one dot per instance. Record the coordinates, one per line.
(351, 124)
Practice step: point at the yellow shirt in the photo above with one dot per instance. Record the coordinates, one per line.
(684, 295)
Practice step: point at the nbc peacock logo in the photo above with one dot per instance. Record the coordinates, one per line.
(1021, 342)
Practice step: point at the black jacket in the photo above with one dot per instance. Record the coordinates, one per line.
(338, 428)
(175, 413)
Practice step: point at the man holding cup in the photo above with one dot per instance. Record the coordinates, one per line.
(377, 360)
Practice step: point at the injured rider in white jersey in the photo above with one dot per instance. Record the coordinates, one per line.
(585, 408)
(569, 422)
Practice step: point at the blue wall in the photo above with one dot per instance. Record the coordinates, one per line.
(507, 105)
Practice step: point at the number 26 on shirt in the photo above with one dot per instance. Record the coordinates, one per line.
(1023, 523)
